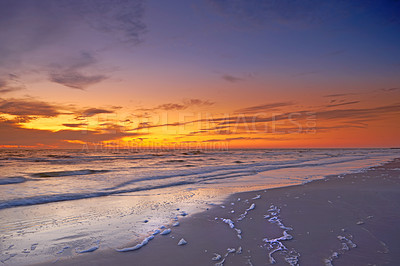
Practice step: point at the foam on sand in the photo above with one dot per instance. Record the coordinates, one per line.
(276, 244)
(182, 242)
(347, 244)
(232, 226)
(243, 215)
(138, 246)
(91, 249)
(157, 231)
(219, 257)
(165, 232)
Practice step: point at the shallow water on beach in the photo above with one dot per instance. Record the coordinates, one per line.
(55, 203)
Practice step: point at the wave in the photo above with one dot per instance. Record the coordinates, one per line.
(12, 180)
(242, 168)
(171, 178)
(76, 196)
(68, 173)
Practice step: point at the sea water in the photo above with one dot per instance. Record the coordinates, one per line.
(58, 203)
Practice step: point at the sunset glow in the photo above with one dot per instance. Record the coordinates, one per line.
(207, 74)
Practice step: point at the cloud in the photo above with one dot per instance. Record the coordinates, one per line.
(362, 113)
(231, 78)
(171, 106)
(338, 95)
(7, 90)
(146, 125)
(119, 18)
(10, 83)
(197, 102)
(32, 24)
(13, 134)
(287, 123)
(187, 103)
(28, 107)
(69, 73)
(256, 12)
(75, 125)
(36, 34)
(75, 80)
(340, 104)
(246, 138)
(391, 89)
(94, 111)
(305, 13)
(263, 107)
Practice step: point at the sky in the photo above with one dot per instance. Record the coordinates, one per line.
(199, 73)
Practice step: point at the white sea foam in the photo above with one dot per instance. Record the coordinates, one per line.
(216, 257)
(276, 244)
(346, 243)
(165, 232)
(243, 215)
(182, 242)
(138, 246)
(232, 226)
(229, 222)
(91, 249)
(219, 257)
(63, 249)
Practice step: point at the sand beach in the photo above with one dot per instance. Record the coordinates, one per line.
(350, 219)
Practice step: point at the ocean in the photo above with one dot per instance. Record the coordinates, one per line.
(57, 203)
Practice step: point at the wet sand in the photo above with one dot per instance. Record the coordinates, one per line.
(347, 220)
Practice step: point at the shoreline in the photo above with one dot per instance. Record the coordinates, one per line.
(336, 220)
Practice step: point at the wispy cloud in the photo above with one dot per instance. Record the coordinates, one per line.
(94, 111)
(338, 95)
(264, 107)
(41, 28)
(394, 89)
(13, 134)
(10, 83)
(231, 78)
(361, 113)
(306, 13)
(119, 18)
(344, 103)
(28, 107)
(187, 103)
(75, 125)
(75, 80)
(237, 138)
(70, 72)
(147, 125)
